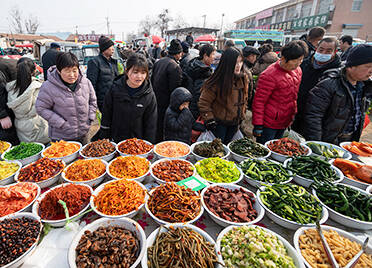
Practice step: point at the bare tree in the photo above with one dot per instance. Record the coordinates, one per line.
(147, 25)
(179, 22)
(31, 24)
(163, 21)
(15, 19)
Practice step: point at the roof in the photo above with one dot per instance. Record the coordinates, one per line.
(29, 37)
(193, 30)
(55, 38)
(71, 37)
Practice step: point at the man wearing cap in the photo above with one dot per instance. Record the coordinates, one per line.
(250, 55)
(186, 57)
(336, 106)
(166, 76)
(49, 58)
(103, 69)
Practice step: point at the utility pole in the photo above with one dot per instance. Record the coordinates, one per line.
(204, 16)
(108, 25)
(223, 14)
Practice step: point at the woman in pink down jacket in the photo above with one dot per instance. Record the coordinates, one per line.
(67, 100)
(275, 101)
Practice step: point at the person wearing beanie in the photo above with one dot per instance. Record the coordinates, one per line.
(49, 58)
(103, 69)
(186, 56)
(166, 76)
(336, 106)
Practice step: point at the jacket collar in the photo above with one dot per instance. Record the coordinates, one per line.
(120, 82)
(55, 79)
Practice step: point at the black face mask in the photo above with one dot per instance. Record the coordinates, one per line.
(248, 63)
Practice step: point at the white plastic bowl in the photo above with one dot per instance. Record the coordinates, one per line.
(307, 182)
(291, 251)
(162, 229)
(347, 154)
(27, 160)
(128, 215)
(241, 176)
(139, 179)
(10, 179)
(27, 208)
(198, 157)
(369, 189)
(258, 184)
(126, 223)
(145, 155)
(9, 148)
(346, 220)
(159, 156)
(58, 223)
(68, 158)
(159, 181)
(348, 235)
(348, 181)
(92, 183)
(162, 222)
(21, 259)
(239, 158)
(224, 223)
(48, 182)
(287, 223)
(282, 157)
(107, 157)
(354, 156)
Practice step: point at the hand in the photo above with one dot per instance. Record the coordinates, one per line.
(6, 122)
(211, 124)
(257, 131)
(184, 106)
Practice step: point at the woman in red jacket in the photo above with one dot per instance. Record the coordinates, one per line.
(275, 101)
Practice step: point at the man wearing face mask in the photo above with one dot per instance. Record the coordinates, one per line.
(336, 106)
(324, 58)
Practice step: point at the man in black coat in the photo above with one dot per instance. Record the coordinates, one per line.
(312, 39)
(190, 39)
(186, 57)
(250, 55)
(166, 76)
(49, 58)
(346, 42)
(103, 69)
(313, 68)
(336, 106)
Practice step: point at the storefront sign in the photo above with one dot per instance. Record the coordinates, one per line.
(303, 23)
(92, 37)
(264, 14)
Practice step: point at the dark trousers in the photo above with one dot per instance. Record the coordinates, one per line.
(225, 133)
(270, 134)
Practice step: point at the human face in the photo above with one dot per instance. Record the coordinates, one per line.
(136, 77)
(238, 65)
(109, 52)
(326, 48)
(291, 64)
(361, 72)
(208, 60)
(178, 56)
(69, 74)
(252, 58)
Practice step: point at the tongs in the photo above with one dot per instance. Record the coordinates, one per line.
(355, 259)
(326, 247)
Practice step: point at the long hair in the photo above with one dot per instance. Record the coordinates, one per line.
(25, 70)
(224, 75)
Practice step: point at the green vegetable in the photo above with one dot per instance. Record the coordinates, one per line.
(217, 170)
(312, 168)
(345, 200)
(264, 171)
(248, 246)
(327, 152)
(210, 149)
(247, 147)
(23, 150)
(291, 202)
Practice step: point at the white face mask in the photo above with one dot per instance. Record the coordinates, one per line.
(322, 57)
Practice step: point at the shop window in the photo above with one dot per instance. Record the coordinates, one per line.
(324, 5)
(357, 5)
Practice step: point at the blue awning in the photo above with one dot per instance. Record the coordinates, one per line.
(352, 26)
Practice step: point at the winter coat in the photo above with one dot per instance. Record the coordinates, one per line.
(178, 124)
(265, 61)
(126, 116)
(184, 62)
(102, 72)
(30, 126)
(310, 77)
(228, 110)
(166, 76)
(310, 46)
(49, 59)
(198, 72)
(330, 107)
(69, 113)
(345, 54)
(190, 40)
(251, 87)
(9, 69)
(275, 101)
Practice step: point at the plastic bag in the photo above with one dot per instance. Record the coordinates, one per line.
(206, 136)
(289, 133)
(237, 136)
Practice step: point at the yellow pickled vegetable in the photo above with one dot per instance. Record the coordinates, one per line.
(7, 169)
(4, 146)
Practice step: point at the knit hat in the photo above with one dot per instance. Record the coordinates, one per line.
(104, 43)
(358, 55)
(175, 47)
(248, 50)
(185, 47)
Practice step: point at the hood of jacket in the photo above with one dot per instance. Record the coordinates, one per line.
(22, 103)
(120, 81)
(198, 70)
(179, 96)
(56, 80)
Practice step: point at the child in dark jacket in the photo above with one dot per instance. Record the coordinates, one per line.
(178, 119)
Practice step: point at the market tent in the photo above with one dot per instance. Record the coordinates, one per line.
(157, 39)
(25, 45)
(205, 38)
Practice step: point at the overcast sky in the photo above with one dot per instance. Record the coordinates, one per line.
(124, 15)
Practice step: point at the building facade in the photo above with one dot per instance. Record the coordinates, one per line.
(296, 17)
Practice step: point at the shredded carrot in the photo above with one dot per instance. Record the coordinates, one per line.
(119, 197)
(4, 146)
(171, 149)
(129, 167)
(85, 170)
(61, 149)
